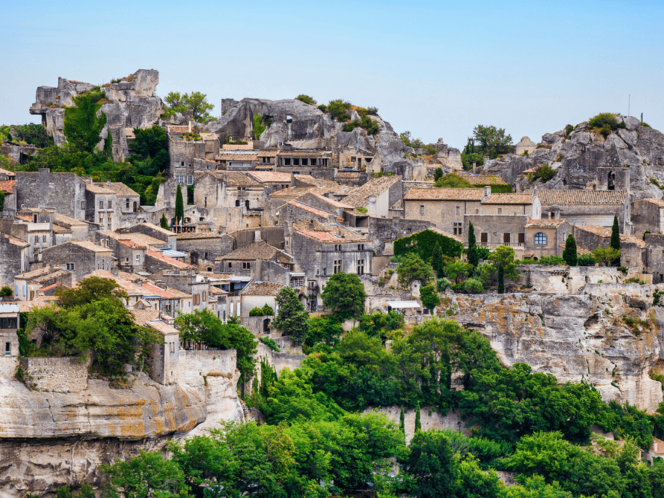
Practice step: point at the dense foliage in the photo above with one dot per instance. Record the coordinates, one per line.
(306, 99)
(291, 316)
(569, 254)
(423, 243)
(344, 295)
(411, 268)
(32, 134)
(605, 123)
(92, 323)
(486, 141)
(196, 103)
(82, 126)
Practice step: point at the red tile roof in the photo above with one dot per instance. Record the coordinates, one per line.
(168, 260)
(131, 243)
(8, 186)
(270, 176)
(153, 290)
(313, 210)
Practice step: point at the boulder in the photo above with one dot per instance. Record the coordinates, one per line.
(631, 123)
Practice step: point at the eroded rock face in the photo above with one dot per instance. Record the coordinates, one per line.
(51, 439)
(132, 102)
(305, 126)
(584, 160)
(578, 337)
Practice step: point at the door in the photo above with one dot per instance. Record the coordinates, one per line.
(484, 238)
(522, 238)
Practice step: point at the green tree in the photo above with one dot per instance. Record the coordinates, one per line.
(179, 206)
(500, 256)
(615, 240)
(471, 253)
(339, 109)
(196, 102)
(325, 329)
(292, 318)
(501, 280)
(437, 174)
(412, 267)
(429, 296)
(34, 134)
(457, 270)
(606, 255)
(586, 260)
(402, 421)
(344, 295)
(418, 423)
(6, 291)
(145, 476)
(569, 254)
(437, 261)
(452, 180)
(151, 144)
(82, 126)
(2, 200)
(163, 222)
(491, 141)
(432, 465)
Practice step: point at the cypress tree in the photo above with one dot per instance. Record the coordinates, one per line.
(163, 222)
(437, 174)
(473, 255)
(501, 280)
(402, 423)
(418, 424)
(437, 261)
(179, 205)
(615, 238)
(569, 254)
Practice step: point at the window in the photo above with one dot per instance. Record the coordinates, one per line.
(138, 258)
(101, 219)
(70, 266)
(317, 271)
(337, 265)
(324, 271)
(325, 162)
(204, 296)
(500, 210)
(522, 238)
(197, 299)
(246, 266)
(458, 210)
(337, 247)
(458, 228)
(127, 204)
(9, 322)
(507, 238)
(8, 348)
(43, 238)
(313, 162)
(82, 204)
(360, 267)
(230, 265)
(287, 161)
(126, 260)
(540, 239)
(110, 204)
(296, 161)
(360, 247)
(237, 203)
(209, 268)
(421, 209)
(205, 255)
(305, 161)
(101, 204)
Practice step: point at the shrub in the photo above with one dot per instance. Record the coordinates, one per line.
(270, 343)
(338, 109)
(552, 261)
(423, 243)
(544, 173)
(429, 297)
(646, 125)
(6, 291)
(256, 312)
(412, 267)
(604, 123)
(443, 284)
(452, 181)
(306, 99)
(586, 260)
(568, 130)
(473, 286)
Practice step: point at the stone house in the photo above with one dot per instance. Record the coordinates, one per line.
(238, 160)
(295, 210)
(7, 187)
(546, 237)
(158, 262)
(13, 258)
(648, 215)
(203, 248)
(34, 226)
(133, 289)
(448, 207)
(525, 145)
(655, 256)
(493, 230)
(164, 357)
(167, 237)
(376, 196)
(271, 180)
(130, 256)
(168, 302)
(259, 260)
(123, 244)
(632, 249)
(9, 323)
(66, 229)
(184, 147)
(304, 158)
(79, 257)
(197, 286)
(101, 204)
(26, 285)
(64, 192)
(321, 250)
(255, 295)
(586, 207)
(127, 203)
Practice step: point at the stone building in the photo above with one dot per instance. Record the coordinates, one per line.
(33, 226)
(80, 257)
(64, 192)
(545, 237)
(586, 207)
(167, 237)
(321, 250)
(259, 260)
(66, 229)
(203, 248)
(238, 160)
(655, 256)
(197, 286)
(493, 230)
(27, 285)
(304, 158)
(13, 258)
(376, 196)
(632, 249)
(164, 357)
(294, 211)
(255, 295)
(127, 203)
(7, 184)
(9, 323)
(101, 204)
(525, 145)
(158, 262)
(184, 147)
(648, 215)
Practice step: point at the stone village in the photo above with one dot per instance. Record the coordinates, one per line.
(289, 200)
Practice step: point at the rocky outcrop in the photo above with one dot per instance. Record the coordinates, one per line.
(132, 103)
(578, 337)
(584, 159)
(305, 126)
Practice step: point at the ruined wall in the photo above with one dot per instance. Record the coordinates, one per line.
(65, 192)
(64, 375)
(429, 418)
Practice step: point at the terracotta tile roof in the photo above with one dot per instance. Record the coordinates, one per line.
(119, 188)
(216, 276)
(217, 291)
(262, 289)
(141, 317)
(131, 288)
(194, 235)
(8, 186)
(444, 194)
(270, 176)
(545, 223)
(131, 243)
(57, 273)
(332, 202)
(243, 158)
(178, 293)
(53, 286)
(237, 179)
(138, 238)
(348, 175)
(359, 197)
(630, 239)
(152, 227)
(7, 172)
(292, 191)
(168, 260)
(656, 202)
(98, 188)
(509, 199)
(580, 197)
(67, 221)
(258, 250)
(90, 246)
(39, 302)
(333, 236)
(162, 327)
(481, 179)
(312, 210)
(60, 229)
(268, 153)
(153, 290)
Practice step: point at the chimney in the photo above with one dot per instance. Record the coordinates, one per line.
(311, 224)
(487, 191)
(485, 159)
(257, 236)
(474, 167)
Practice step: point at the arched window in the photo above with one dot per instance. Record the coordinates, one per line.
(540, 239)
(612, 181)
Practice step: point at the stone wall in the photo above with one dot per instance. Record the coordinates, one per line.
(385, 231)
(13, 260)
(8, 366)
(566, 279)
(278, 361)
(65, 192)
(429, 418)
(647, 215)
(64, 375)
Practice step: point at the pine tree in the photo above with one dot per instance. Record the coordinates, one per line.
(615, 238)
(437, 261)
(402, 423)
(501, 279)
(418, 424)
(438, 174)
(179, 206)
(473, 255)
(569, 254)
(163, 222)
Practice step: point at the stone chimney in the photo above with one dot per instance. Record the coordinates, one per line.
(487, 191)
(257, 236)
(474, 168)
(311, 224)
(485, 159)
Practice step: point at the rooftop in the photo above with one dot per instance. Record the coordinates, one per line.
(262, 289)
(8, 186)
(606, 233)
(444, 194)
(162, 327)
(194, 235)
(333, 234)
(6, 172)
(359, 197)
(580, 197)
(545, 223)
(90, 246)
(168, 260)
(312, 210)
(130, 287)
(270, 176)
(132, 244)
(237, 179)
(238, 156)
(656, 202)
(509, 199)
(138, 238)
(258, 250)
(119, 188)
(99, 188)
(481, 179)
(141, 317)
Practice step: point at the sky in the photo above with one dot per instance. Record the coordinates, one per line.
(434, 68)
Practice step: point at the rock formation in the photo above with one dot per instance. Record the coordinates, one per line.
(132, 103)
(578, 337)
(307, 127)
(585, 159)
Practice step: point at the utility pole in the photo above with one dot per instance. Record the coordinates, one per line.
(641, 118)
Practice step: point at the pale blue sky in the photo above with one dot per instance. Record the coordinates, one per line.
(435, 68)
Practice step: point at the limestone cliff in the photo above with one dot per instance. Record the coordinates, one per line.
(306, 126)
(608, 335)
(132, 103)
(584, 159)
